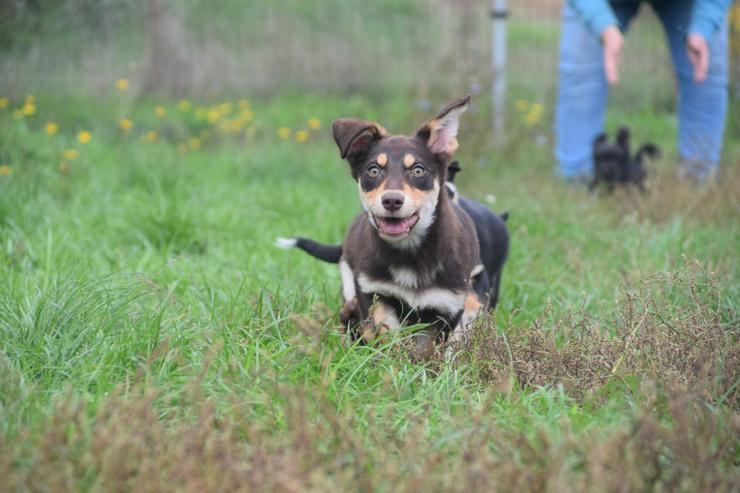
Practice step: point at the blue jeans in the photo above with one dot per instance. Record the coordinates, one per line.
(582, 89)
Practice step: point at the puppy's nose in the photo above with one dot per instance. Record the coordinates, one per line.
(392, 201)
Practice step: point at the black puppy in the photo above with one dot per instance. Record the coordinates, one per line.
(493, 235)
(613, 164)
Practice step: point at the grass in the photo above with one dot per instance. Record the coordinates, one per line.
(152, 335)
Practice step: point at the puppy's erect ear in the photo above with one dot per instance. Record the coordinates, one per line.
(623, 139)
(440, 133)
(353, 136)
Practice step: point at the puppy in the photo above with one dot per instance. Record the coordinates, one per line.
(613, 164)
(493, 240)
(412, 256)
(493, 236)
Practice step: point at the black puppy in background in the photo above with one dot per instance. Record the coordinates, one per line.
(613, 164)
(492, 233)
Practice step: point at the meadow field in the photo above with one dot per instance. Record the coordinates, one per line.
(153, 338)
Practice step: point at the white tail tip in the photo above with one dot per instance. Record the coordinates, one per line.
(285, 243)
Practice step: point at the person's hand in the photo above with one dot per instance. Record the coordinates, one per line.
(612, 40)
(698, 52)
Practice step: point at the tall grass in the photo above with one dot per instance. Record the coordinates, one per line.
(152, 335)
(152, 338)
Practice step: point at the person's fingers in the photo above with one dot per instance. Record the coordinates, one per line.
(612, 39)
(698, 53)
(610, 67)
(700, 71)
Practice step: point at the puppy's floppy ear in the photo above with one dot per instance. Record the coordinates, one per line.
(440, 133)
(354, 136)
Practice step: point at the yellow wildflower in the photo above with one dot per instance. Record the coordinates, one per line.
(533, 117)
(521, 105)
(159, 111)
(184, 105)
(301, 136)
(313, 123)
(29, 109)
(535, 113)
(63, 168)
(244, 105)
(6, 170)
(125, 124)
(30, 99)
(70, 154)
(233, 126)
(224, 108)
(122, 84)
(51, 128)
(151, 136)
(84, 137)
(194, 143)
(246, 116)
(213, 116)
(4, 102)
(284, 133)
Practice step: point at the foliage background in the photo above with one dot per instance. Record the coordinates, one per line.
(151, 336)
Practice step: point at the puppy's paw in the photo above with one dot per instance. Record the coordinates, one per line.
(349, 314)
(424, 345)
(371, 332)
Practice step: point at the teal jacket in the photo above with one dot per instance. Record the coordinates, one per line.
(706, 17)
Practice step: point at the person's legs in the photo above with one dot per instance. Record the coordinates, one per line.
(582, 93)
(701, 106)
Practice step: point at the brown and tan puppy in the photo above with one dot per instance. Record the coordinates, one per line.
(413, 255)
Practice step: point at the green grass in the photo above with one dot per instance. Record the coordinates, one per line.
(144, 312)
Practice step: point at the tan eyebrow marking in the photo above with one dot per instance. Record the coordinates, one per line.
(382, 159)
(409, 160)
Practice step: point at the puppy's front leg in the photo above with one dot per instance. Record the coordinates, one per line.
(362, 309)
(424, 341)
(472, 310)
(349, 314)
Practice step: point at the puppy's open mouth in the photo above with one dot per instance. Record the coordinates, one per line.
(396, 226)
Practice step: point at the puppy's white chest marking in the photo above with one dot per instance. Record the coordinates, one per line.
(444, 300)
(406, 278)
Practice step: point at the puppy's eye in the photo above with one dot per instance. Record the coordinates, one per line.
(418, 170)
(373, 171)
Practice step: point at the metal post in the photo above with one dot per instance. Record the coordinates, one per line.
(499, 13)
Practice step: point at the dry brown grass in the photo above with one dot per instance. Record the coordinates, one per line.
(691, 342)
(127, 446)
(669, 197)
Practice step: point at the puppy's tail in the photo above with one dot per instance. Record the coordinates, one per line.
(327, 253)
(649, 149)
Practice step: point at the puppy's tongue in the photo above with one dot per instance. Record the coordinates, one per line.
(396, 226)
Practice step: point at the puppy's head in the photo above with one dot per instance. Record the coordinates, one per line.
(399, 177)
(609, 159)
